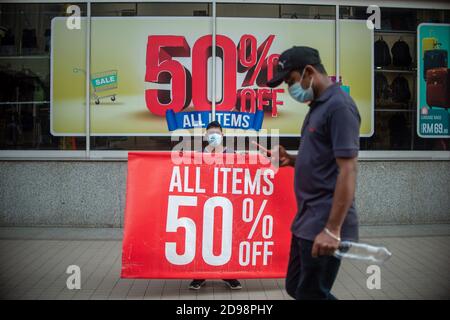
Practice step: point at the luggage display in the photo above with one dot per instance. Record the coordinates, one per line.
(29, 41)
(436, 58)
(438, 88)
(382, 53)
(400, 90)
(29, 38)
(401, 56)
(47, 35)
(382, 90)
(7, 43)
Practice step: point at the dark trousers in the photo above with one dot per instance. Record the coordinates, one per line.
(310, 278)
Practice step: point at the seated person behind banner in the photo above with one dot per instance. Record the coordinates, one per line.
(214, 135)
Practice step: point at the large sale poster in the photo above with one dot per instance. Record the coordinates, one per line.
(197, 215)
(433, 78)
(152, 75)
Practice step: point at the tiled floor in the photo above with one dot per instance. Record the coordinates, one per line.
(33, 263)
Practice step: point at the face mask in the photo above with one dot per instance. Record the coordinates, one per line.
(301, 95)
(214, 139)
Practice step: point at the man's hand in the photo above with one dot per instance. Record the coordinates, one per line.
(324, 245)
(283, 157)
(278, 155)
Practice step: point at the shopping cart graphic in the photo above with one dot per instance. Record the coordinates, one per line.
(102, 82)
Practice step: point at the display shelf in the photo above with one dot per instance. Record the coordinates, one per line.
(396, 71)
(396, 32)
(45, 56)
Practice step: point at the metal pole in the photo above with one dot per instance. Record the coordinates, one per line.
(338, 71)
(88, 79)
(213, 95)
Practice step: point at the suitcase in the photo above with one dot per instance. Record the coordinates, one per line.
(438, 87)
(429, 44)
(437, 58)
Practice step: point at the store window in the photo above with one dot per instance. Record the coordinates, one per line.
(395, 78)
(285, 12)
(164, 12)
(224, 10)
(25, 65)
(25, 46)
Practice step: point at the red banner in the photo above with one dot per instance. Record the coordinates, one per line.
(188, 217)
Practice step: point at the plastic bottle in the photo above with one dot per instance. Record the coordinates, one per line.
(362, 252)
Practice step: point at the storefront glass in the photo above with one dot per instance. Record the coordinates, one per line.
(25, 67)
(25, 47)
(395, 81)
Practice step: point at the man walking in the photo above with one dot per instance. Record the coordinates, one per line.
(325, 173)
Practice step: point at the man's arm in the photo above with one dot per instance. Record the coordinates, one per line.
(344, 193)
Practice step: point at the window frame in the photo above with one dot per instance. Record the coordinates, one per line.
(112, 155)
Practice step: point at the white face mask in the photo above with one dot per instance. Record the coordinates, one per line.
(214, 139)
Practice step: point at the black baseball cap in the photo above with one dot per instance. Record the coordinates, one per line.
(295, 58)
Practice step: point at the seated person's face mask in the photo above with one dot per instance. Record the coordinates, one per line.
(299, 94)
(214, 139)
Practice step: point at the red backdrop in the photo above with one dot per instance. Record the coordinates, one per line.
(213, 221)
